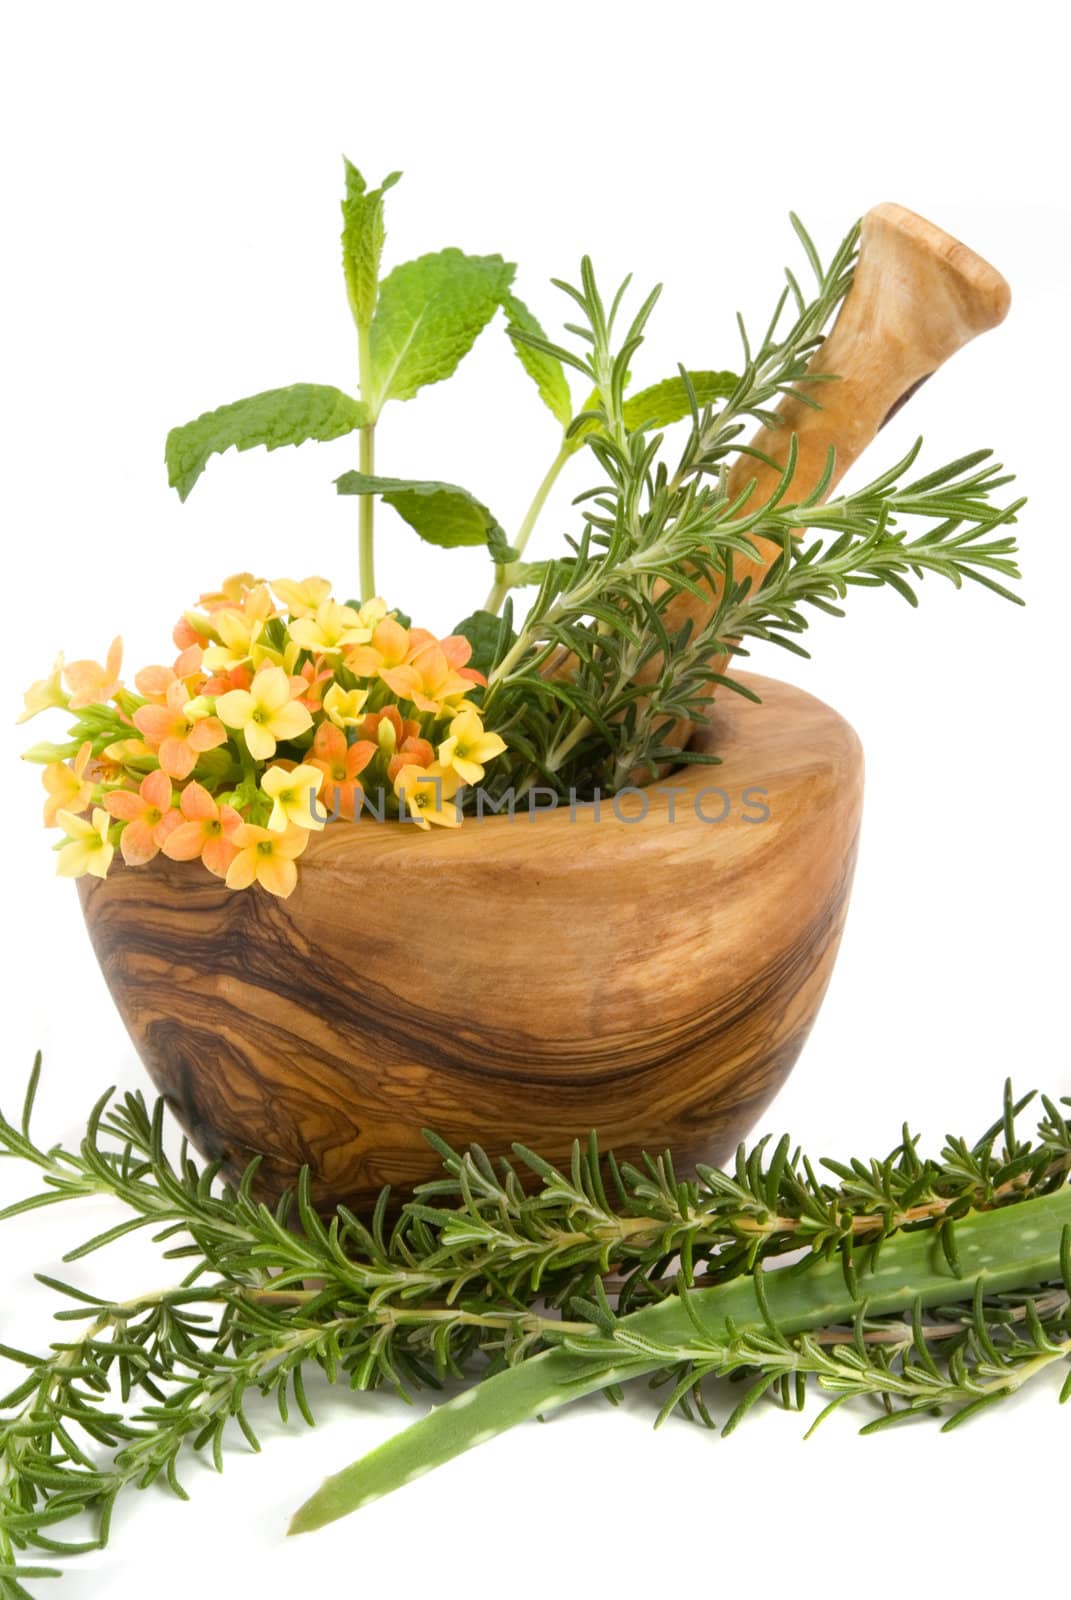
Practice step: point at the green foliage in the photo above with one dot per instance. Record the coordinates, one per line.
(429, 316)
(599, 687)
(674, 398)
(544, 369)
(651, 533)
(441, 513)
(658, 406)
(564, 1280)
(363, 236)
(490, 637)
(778, 1326)
(277, 417)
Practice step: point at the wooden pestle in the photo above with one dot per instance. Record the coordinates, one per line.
(917, 297)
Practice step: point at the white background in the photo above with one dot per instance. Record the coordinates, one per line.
(171, 185)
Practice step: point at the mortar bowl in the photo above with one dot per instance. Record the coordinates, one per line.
(648, 968)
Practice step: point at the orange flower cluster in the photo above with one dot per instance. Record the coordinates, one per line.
(283, 710)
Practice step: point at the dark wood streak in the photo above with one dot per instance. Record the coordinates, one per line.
(655, 981)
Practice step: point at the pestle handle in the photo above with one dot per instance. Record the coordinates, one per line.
(918, 295)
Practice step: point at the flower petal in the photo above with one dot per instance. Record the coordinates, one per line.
(137, 843)
(278, 876)
(156, 790)
(259, 742)
(291, 721)
(185, 842)
(197, 804)
(234, 708)
(242, 870)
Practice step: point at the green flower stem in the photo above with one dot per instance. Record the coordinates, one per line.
(502, 584)
(1000, 1250)
(366, 503)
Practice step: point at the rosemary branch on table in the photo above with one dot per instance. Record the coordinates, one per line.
(523, 1275)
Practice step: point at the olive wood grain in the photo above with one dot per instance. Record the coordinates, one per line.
(410, 981)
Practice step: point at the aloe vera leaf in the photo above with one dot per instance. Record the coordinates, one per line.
(1011, 1248)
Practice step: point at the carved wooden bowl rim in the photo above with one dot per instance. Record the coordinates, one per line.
(734, 731)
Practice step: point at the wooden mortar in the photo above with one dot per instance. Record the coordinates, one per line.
(410, 980)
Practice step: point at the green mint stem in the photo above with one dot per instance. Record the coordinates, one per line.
(366, 503)
(502, 584)
(1006, 1249)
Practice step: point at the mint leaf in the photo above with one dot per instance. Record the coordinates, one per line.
(667, 401)
(276, 417)
(661, 404)
(429, 315)
(441, 513)
(545, 370)
(489, 637)
(502, 552)
(363, 234)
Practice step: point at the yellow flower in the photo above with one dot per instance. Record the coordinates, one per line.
(87, 848)
(331, 629)
(344, 706)
(231, 592)
(302, 599)
(44, 693)
(426, 795)
(469, 746)
(125, 755)
(372, 612)
(293, 794)
(238, 634)
(266, 712)
(67, 789)
(266, 858)
(261, 653)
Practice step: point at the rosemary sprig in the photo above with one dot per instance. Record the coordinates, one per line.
(489, 1266)
(761, 1325)
(650, 534)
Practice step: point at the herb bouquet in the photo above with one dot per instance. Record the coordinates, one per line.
(218, 784)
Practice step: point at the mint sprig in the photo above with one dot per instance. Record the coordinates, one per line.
(413, 329)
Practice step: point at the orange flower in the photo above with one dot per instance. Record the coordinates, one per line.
(340, 764)
(427, 678)
(184, 634)
(222, 682)
(67, 788)
(206, 832)
(411, 752)
(266, 858)
(191, 661)
(390, 645)
(388, 729)
(308, 684)
(154, 682)
(457, 650)
(178, 738)
(93, 684)
(148, 817)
